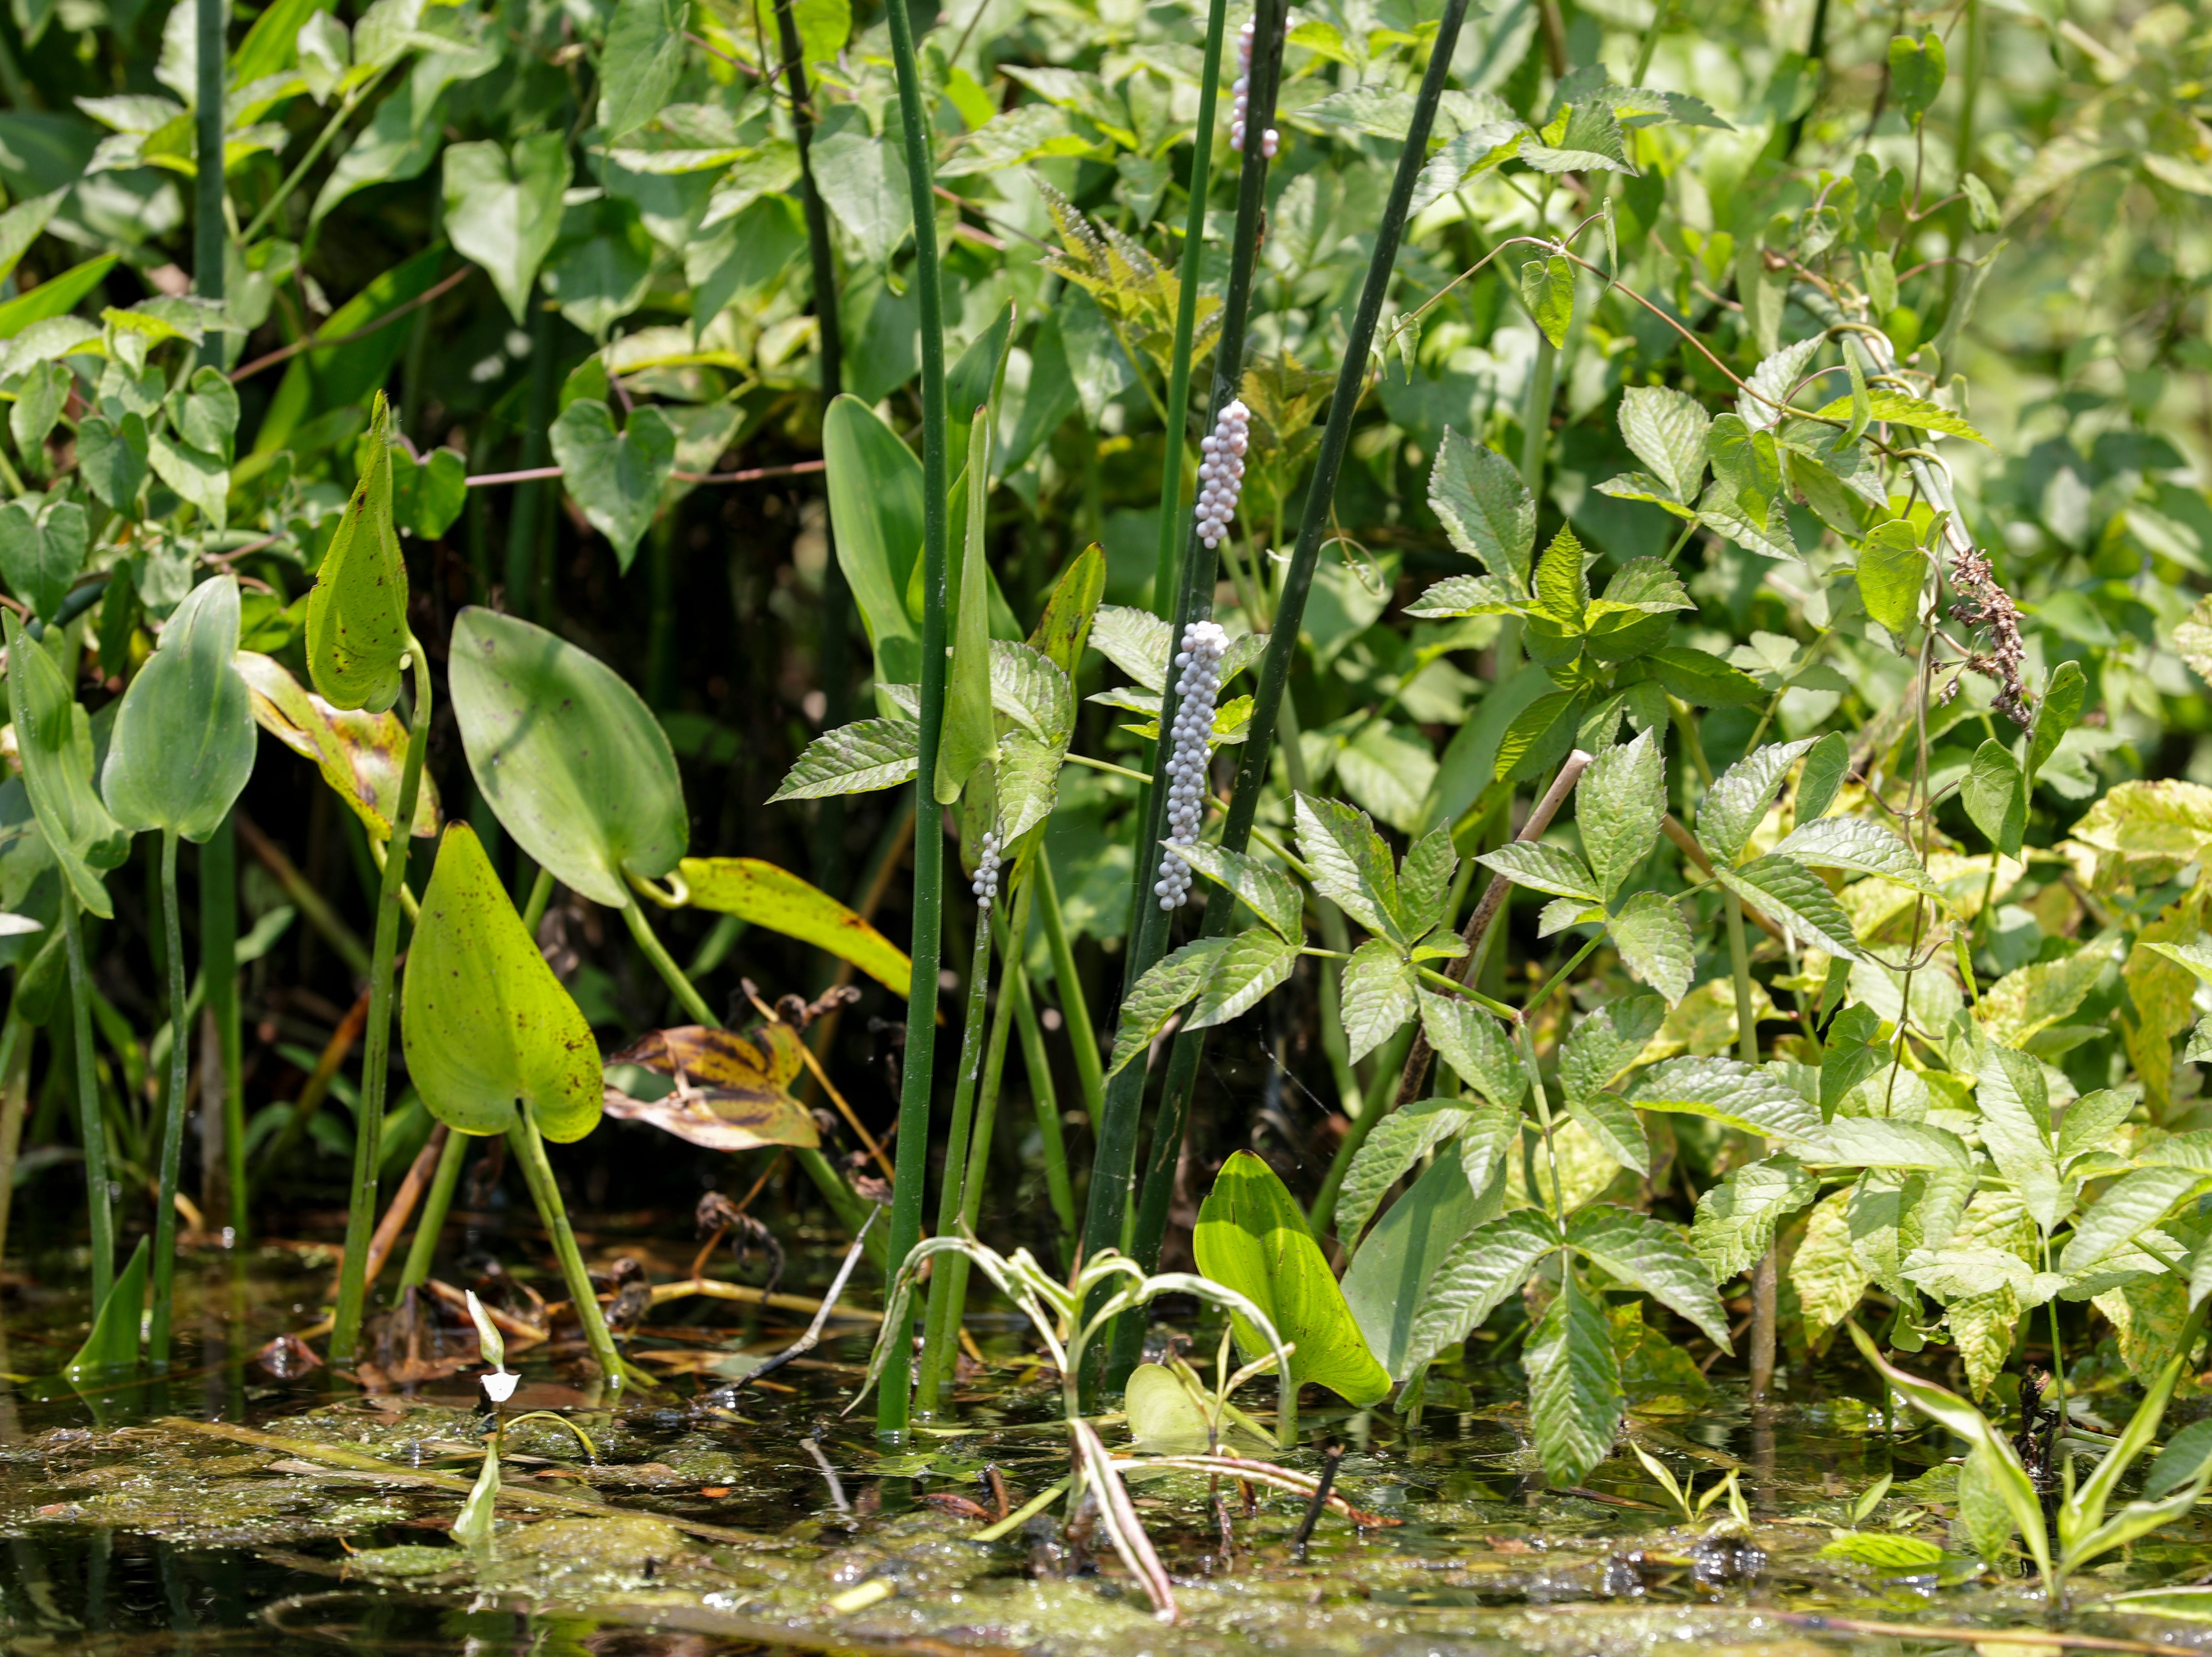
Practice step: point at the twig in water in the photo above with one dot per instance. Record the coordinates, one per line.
(836, 1488)
(813, 1338)
(1332, 1456)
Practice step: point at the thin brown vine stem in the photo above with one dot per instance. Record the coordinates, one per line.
(1919, 905)
(286, 353)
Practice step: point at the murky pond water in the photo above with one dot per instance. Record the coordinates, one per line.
(228, 1510)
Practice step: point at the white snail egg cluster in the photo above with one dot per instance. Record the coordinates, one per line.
(1204, 644)
(985, 886)
(1269, 140)
(1221, 472)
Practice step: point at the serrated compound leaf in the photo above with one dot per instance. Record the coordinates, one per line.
(566, 754)
(1737, 1218)
(1561, 913)
(1613, 1123)
(1398, 1142)
(1995, 794)
(1470, 1040)
(1265, 890)
(1606, 1042)
(1351, 866)
(1666, 429)
(357, 613)
(1029, 688)
(1618, 802)
(1789, 893)
(1737, 803)
(2015, 1103)
(1254, 963)
(1167, 985)
(1728, 1090)
(1827, 762)
(360, 755)
(1862, 847)
(53, 746)
(1575, 1398)
(485, 1024)
(1644, 587)
(1547, 287)
(1654, 943)
(1538, 736)
(1772, 382)
(762, 894)
(1486, 1265)
(1874, 1141)
(2058, 712)
(1137, 641)
(2131, 1205)
(183, 743)
(1468, 595)
(1251, 1237)
(1543, 867)
(614, 477)
(1485, 509)
(1424, 880)
(1650, 1254)
(1027, 783)
(1377, 996)
(1703, 680)
(2091, 1119)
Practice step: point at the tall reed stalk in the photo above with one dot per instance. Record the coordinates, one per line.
(219, 972)
(892, 1398)
(376, 1046)
(1114, 1159)
(1283, 640)
(91, 1120)
(173, 1110)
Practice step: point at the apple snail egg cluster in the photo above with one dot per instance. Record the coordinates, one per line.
(1221, 472)
(1204, 644)
(1270, 139)
(985, 886)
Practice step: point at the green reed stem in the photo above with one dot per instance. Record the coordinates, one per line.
(1113, 1162)
(529, 1148)
(14, 1104)
(423, 1248)
(347, 105)
(1074, 1012)
(892, 1400)
(1766, 1289)
(173, 1126)
(846, 1204)
(1110, 1180)
(1045, 1098)
(936, 1364)
(209, 230)
(541, 893)
(1174, 515)
(90, 1122)
(376, 1044)
(219, 980)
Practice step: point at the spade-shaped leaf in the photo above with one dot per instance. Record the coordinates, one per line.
(41, 552)
(357, 613)
(572, 761)
(110, 458)
(485, 1024)
(1995, 794)
(360, 755)
(114, 1342)
(732, 1090)
(616, 477)
(54, 745)
(1252, 1237)
(182, 745)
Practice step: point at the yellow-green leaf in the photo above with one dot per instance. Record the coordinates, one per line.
(357, 613)
(776, 898)
(360, 755)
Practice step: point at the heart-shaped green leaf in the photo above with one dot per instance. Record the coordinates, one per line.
(110, 458)
(1893, 569)
(503, 210)
(574, 765)
(616, 477)
(357, 613)
(182, 745)
(41, 552)
(53, 743)
(1251, 1238)
(485, 1024)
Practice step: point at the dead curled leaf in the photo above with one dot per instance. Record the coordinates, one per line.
(732, 1089)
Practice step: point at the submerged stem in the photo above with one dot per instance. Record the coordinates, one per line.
(376, 1051)
(172, 1124)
